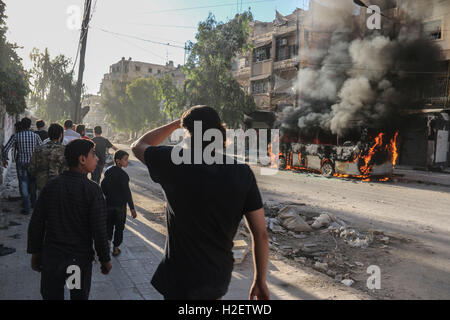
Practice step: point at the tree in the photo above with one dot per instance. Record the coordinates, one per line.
(54, 86)
(132, 106)
(208, 69)
(13, 78)
(173, 99)
(144, 102)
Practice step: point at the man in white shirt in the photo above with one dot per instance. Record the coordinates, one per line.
(69, 134)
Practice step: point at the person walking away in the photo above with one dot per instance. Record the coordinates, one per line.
(41, 132)
(116, 189)
(69, 134)
(205, 204)
(81, 130)
(48, 160)
(70, 216)
(25, 142)
(101, 147)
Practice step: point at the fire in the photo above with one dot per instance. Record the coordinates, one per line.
(380, 145)
(394, 149)
(367, 159)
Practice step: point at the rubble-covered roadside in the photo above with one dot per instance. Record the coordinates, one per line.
(303, 236)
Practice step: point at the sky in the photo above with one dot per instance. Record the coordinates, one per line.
(52, 24)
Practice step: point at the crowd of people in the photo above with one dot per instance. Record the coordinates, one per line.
(74, 215)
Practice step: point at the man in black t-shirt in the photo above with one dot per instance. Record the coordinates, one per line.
(101, 147)
(205, 204)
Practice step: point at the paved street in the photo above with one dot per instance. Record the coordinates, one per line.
(141, 252)
(418, 212)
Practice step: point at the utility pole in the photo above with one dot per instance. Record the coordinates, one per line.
(83, 41)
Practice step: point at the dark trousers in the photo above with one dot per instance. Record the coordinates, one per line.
(95, 176)
(55, 271)
(116, 224)
(27, 186)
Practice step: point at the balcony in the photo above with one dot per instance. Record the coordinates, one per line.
(286, 64)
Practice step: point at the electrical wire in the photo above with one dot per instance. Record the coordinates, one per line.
(142, 39)
(206, 7)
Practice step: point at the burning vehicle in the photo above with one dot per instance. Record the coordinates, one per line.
(372, 157)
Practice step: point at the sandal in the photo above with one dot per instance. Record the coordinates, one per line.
(115, 254)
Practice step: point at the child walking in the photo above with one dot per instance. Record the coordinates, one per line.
(116, 189)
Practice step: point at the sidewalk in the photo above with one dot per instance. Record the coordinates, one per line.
(408, 174)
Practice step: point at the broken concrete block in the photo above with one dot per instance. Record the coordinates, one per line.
(274, 226)
(319, 266)
(240, 250)
(359, 264)
(385, 240)
(331, 273)
(289, 218)
(348, 282)
(322, 221)
(338, 277)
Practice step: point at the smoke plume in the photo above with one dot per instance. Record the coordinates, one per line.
(360, 77)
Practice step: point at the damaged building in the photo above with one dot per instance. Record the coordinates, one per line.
(323, 69)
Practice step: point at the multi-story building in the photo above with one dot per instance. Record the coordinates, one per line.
(128, 70)
(269, 72)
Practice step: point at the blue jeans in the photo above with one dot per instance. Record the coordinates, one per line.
(27, 186)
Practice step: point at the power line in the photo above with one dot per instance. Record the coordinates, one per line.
(135, 45)
(206, 7)
(163, 26)
(137, 38)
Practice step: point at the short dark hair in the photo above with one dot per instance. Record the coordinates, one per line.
(40, 124)
(81, 128)
(18, 126)
(98, 130)
(208, 116)
(55, 131)
(120, 154)
(26, 123)
(77, 148)
(68, 124)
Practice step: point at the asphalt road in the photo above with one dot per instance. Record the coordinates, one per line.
(421, 213)
(415, 211)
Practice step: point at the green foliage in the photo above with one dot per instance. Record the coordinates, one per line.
(54, 86)
(132, 106)
(173, 99)
(208, 70)
(13, 78)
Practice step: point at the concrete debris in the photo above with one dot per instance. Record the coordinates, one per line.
(331, 273)
(319, 266)
(322, 221)
(290, 218)
(359, 264)
(338, 277)
(348, 282)
(309, 245)
(240, 251)
(300, 259)
(385, 240)
(359, 243)
(275, 227)
(296, 235)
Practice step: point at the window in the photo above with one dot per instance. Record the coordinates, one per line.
(259, 86)
(150, 70)
(137, 68)
(262, 53)
(433, 29)
(306, 38)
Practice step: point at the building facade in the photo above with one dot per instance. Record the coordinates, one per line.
(129, 70)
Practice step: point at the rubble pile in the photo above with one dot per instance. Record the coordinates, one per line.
(321, 241)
